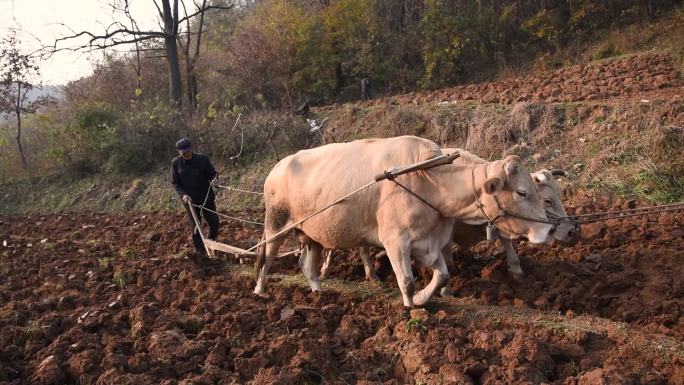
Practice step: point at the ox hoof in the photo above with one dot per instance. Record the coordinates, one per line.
(446, 291)
(262, 295)
(323, 276)
(419, 300)
(372, 278)
(516, 275)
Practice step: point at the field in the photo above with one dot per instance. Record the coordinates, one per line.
(108, 299)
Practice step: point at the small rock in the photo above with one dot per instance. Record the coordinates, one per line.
(594, 257)
(420, 314)
(286, 313)
(617, 239)
(49, 372)
(476, 369)
(165, 345)
(154, 237)
(594, 230)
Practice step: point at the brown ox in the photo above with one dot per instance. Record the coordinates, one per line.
(466, 235)
(385, 215)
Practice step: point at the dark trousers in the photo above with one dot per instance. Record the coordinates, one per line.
(212, 220)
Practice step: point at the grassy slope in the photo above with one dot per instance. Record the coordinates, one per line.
(628, 148)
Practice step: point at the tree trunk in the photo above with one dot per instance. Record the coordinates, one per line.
(171, 32)
(17, 111)
(174, 70)
(191, 79)
(24, 164)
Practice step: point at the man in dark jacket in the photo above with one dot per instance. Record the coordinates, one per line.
(191, 177)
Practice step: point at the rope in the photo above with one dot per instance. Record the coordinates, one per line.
(290, 227)
(239, 190)
(655, 209)
(606, 215)
(242, 139)
(416, 195)
(229, 135)
(625, 214)
(227, 216)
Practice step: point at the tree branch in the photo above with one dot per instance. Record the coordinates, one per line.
(207, 8)
(161, 15)
(199, 33)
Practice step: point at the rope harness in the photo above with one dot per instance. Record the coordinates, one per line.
(617, 214)
(503, 212)
(227, 216)
(392, 177)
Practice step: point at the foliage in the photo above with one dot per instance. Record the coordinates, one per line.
(17, 71)
(416, 324)
(99, 137)
(277, 54)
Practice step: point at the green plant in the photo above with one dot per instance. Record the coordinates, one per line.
(129, 253)
(105, 262)
(416, 324)
(120, 278)
(575, 368)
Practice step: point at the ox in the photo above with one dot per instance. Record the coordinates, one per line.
(385, 215)
(466, 235)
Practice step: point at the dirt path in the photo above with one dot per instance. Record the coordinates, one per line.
(111, 299)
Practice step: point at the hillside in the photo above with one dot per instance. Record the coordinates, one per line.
(615, 125)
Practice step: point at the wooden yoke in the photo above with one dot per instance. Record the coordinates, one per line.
(392, 173)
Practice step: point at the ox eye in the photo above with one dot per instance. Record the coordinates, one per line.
(548, 202)
(522, 193)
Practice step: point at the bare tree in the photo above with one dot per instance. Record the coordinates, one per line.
(118, 34)
(191, 59)
(16, 71)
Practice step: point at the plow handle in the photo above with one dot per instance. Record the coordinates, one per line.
(391, 173)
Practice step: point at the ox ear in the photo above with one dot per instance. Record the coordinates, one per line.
(493, 185)
(559, 172)
(512, 165)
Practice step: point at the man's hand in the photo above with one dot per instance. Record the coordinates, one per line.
(186, 199)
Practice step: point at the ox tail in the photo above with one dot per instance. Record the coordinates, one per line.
(260, 256)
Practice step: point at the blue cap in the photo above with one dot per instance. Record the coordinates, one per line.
(183, 144)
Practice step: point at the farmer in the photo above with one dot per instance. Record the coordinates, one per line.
(192, 176)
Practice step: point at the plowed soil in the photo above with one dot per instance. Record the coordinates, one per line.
(649, 75)
(113, 299)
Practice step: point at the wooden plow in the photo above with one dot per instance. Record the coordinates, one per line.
(212, 246)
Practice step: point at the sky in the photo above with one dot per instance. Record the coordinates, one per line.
(41, 22)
